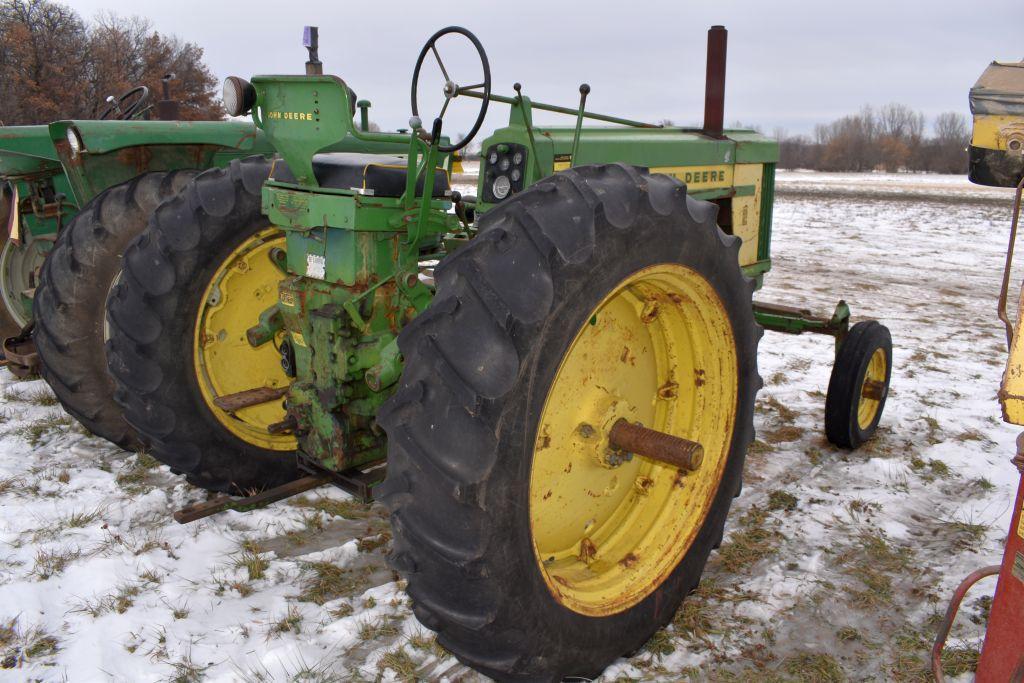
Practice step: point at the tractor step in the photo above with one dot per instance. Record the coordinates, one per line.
(358, 482)
(225, 503)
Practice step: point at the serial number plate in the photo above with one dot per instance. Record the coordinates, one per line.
(316, 266)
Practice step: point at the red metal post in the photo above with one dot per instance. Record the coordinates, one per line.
(714, 85)
(1002, 655)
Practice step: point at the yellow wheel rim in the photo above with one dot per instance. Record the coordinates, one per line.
(874, 380)
(658, 350)
(244, 286)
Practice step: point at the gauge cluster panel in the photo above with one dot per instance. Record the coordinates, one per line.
(504, 171)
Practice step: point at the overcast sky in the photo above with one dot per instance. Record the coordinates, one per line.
(791, 63)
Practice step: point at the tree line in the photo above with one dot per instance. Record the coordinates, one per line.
(891, 138)
(55, 65)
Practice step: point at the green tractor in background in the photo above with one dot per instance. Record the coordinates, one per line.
(559, 374)
(75, 194)
(119, 174)
(38, 202)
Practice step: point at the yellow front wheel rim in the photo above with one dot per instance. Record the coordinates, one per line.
(244, 285)
(867, 407)
(659, 350)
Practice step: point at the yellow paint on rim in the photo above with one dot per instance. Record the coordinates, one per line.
(659, 350)
(867, 408)
(244, 286)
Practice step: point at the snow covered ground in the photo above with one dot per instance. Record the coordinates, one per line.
(835, 564)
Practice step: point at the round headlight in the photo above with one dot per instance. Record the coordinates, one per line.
(516, 175)
(75, 142)
(501, 187)
(493, 159)
(239, 96)
(517, 158)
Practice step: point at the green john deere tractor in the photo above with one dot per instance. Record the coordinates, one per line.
(559, 373)
(118, 172)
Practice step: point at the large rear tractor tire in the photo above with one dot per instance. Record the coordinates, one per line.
(534, 548)
(70, 302)
(194, 282)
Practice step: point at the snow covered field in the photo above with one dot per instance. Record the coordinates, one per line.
(835, 564)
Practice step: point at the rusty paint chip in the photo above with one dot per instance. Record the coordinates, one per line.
(649, 312)
(587, 551)
(668, 390)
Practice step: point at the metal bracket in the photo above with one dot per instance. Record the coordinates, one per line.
(793, 320)
(20, 355)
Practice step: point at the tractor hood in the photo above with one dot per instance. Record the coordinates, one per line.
(26, 150)
(99, 154)
(101, 137)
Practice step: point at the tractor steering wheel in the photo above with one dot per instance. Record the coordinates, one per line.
(141, 95)
(451, 89)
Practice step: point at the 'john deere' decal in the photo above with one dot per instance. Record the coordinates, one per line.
(290, 115)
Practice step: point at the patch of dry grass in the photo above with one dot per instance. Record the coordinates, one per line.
(376, 628)
(118, 601)
(753, 542)
(49, 563)
(368, 544)
(428, 643)
(349, 509)
(326, 581)
(784, 434)
(398, 661)
(696, 620)
(782, 412)
(35, 432)
(873, 561)
(9, 484)
(290, 622)
(135, 472)
(813, 667)
(250, 558)
(782, 500)
(660, 644)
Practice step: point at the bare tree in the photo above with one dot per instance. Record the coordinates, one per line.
(43, 51)
(950, 143)
(53, 65)
(951, 127)
(894, 139)
(901, 133)
(128, 52)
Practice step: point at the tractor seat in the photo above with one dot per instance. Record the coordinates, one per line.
(384, 175)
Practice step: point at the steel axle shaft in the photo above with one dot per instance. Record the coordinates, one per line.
(649, 443)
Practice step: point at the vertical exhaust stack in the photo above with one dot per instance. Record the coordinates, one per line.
(311, 41)
(167, 109)
(714, 85)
